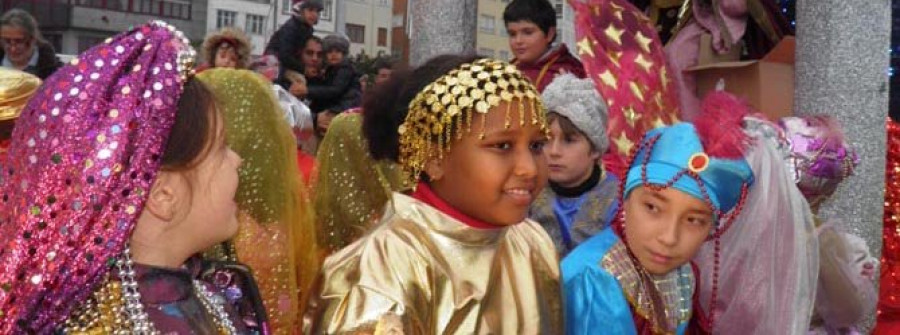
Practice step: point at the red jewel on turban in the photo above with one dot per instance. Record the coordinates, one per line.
(698, 162)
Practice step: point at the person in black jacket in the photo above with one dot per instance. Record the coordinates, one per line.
(24, 48)
(339, 89)
(292, 35)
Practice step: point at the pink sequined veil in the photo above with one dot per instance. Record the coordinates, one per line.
(84, 155)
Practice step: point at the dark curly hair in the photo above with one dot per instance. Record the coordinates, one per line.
(386, 105)
(540, 12)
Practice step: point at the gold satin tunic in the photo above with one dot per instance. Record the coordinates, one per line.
(422, 272)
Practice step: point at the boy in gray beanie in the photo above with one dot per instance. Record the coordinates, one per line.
(581, 199)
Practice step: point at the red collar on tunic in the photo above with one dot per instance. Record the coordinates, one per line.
(425, 194)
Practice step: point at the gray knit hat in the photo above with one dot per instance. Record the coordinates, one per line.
(298, 6)
(335, 42)
(578, 101)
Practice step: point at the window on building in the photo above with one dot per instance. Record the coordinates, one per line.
(503, 54)
(225, 18)
(382, 37)
(356, 33)
(144, 6)
(558, 6)
(486, 52)
(286, 6)
(255, 24)
(397, 21)
(486, 24)
(326, 11)
(178, 9)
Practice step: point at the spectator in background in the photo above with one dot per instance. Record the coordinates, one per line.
(383, 70)
(531, 26)
(228, 47)
(24, 48)
(292, 36)
(339, 89)
(311, 57)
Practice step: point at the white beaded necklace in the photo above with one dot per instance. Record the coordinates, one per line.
(134, 310)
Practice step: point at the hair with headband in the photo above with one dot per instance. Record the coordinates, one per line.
(84, 157)
(446, 107)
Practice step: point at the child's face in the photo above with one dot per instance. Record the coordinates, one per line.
(334, 57)
(226, 57)
(570, 158)
(383, 76)
(310, 16)
(527, 41)
(494, 179)
(665, 229)
(211, 215)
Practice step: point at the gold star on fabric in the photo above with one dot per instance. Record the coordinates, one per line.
(643, 41)
(614, 57)
(643, 62)
(636, 90)
(608, 79)
(631, 116)
(658, 123)
(623, 144)
(617, 10)
(664, 77)
(614, 34)
(584, 47)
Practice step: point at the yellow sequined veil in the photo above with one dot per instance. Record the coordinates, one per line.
(352, 188)
(276, 237)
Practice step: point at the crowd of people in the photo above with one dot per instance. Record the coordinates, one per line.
(144, 193)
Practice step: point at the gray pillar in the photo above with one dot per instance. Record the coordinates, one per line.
(441, 27)
(340, 17)
(842, 61)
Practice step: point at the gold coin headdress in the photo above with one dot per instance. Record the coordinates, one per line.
(447, 106)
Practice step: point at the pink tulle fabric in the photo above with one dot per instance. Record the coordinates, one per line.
(769, 257)
(846, 290)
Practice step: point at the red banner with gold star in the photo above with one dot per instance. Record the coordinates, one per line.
(889, 288)
(623, 55)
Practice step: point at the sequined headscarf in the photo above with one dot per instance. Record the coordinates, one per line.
(84, 156)
(276, 235)
(445, 108)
